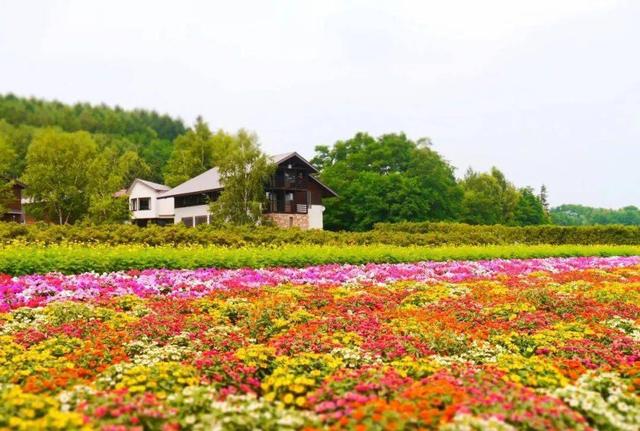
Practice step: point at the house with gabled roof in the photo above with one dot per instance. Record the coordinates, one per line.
(294, 196)
(145, 206)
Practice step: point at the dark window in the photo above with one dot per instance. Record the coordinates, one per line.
(134, 205)
(144, 204)
(195, 200)
(289, 179)
(201, 220)
(187, 221)
(272, 198)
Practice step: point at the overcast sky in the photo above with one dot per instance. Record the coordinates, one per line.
(548, 91)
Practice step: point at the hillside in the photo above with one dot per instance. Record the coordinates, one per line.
(146, 132)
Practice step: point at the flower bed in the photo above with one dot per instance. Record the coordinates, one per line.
(500, 344)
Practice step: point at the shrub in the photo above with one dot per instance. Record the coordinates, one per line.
(400, 234)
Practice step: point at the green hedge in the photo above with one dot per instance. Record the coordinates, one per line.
(459, 233)
(401, 234)
(27, 259)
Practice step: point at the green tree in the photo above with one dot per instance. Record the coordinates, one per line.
(544, 198)
(508, 196)
(18, 139)
(57, 174)
(150, 134)
(7, 160)
(385, 179)
(110, 173)
(580, 215)
(529, 210)
(481, 199)
(129, 166)
(194, 152)
(244, 171)
(156, 155)
(139, 123)
(488, 198)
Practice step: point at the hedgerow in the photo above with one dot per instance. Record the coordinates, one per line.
(18, 259)
(400, 234)
(460, 233)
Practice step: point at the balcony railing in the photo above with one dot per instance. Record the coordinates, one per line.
(288, 207)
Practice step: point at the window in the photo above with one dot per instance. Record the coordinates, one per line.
(133, 205)
(144, 204)
(288, 202)
(195, 199)
(272, 198)
(289, 179)
(187, 221)
(201, 220)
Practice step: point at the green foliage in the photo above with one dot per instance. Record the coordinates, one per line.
(94, 119)
(57, 174)
(385, 179)
(195, 152)
(244, 170)
(529, 209)
(488, 198)
(18, 138)
(147, 133)
(7, 159)
(111, 172)
(398, 234)
(29, 259)
(579, 215)
(459, 233)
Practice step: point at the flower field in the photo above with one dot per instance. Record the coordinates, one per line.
(530, 344)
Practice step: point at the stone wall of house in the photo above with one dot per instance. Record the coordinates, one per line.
(290, 220)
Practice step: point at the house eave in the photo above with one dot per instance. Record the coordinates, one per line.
(302, 159)
(199, 192)
(325, 187)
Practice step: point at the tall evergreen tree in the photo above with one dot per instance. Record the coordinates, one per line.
(529, 210)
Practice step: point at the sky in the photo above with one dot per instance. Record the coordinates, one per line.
(547, 91)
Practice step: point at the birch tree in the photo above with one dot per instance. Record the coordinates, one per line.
(57, 174)
(244, 172)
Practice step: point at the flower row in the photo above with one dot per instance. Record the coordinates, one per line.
(508, 344)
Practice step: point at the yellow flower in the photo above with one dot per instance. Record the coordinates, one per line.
(297, 389)
(288, 398)
(27, 413)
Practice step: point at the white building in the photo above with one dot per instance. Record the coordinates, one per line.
(294, 196)
(144, 203)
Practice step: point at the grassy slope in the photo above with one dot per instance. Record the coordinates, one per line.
(25, 259)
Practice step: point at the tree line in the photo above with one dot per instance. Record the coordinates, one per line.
(579, 215)
(74, 158)
(393, 178)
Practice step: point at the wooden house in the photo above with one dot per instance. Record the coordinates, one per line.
(15, 211)
(294, 196)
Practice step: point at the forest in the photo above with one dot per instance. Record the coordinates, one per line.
(75, 157)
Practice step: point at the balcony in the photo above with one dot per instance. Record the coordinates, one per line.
(287, 202)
